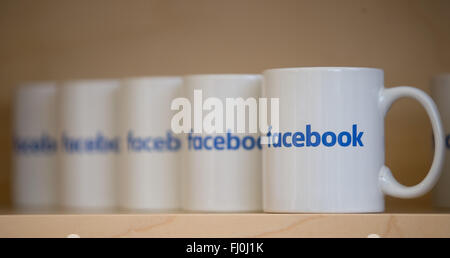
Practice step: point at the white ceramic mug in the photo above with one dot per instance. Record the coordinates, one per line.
(150, 156)
(331, 154)
(440, 91)
(89, 144)
(219, 175)
(35, 146)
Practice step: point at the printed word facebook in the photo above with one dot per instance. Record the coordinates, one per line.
(149, 144)
(311, 138)
(30, 145)
(95, 144)
(228, 141)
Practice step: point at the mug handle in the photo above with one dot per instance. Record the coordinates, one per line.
(389, 185)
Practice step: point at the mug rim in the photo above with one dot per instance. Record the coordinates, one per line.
(81, 83)
(36, 85)
(151, 77)
(223, 76)
(324, 68)
(441, 76)
(136, 80)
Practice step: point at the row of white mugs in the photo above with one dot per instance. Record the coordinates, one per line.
(90, 145)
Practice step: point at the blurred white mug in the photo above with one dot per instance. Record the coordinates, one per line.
(440, 91)
(89, 144)
(221, 171)
(35, 146)
(149, 160)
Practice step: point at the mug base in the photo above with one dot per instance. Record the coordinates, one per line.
(343, 211)
(149, 210)
(88, 210)
(35, 209)
(186, 210)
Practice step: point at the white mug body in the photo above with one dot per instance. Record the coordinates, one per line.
(221, 177)
(89, 144)
(35, 147)
(440, 91)
(150, 157)
(324, 178)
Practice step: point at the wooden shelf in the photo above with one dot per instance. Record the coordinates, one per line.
(424, 224)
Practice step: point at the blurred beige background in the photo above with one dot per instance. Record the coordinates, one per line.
(57, 40)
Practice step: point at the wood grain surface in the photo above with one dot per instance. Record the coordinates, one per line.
(58, 40)
(227, 225)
